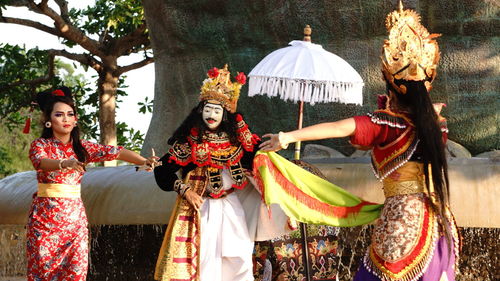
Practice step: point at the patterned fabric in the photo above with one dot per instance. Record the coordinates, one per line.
(57, 234)
(392, 138)
(57, 240)
(54, 149)
(404, 239)
(286, 255)
(306, 197)
(216, 152)
(397, 232)
(407, 234)
(179, 256)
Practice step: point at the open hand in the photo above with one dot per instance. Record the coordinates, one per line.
(272, 144)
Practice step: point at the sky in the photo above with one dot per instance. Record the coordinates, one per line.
(140, 81)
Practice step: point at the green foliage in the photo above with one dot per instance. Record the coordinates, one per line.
(14, 148)
(109, 18)
(104, 21)
(146, 106)
(128, 137)
(4, 161)
(16, 101)
(18, 64)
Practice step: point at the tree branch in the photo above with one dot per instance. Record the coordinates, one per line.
(133, 66)
(30, 23)
(67, 30)
(37, 81)
(84, 59)
(63, 5)
(18, 3)
(123, 45)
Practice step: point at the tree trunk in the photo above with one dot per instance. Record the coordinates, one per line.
(107, 85)
(171, 103)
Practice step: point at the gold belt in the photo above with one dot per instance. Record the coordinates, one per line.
(393, 188)
(58, 190)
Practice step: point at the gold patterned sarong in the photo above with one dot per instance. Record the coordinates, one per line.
(179, 256)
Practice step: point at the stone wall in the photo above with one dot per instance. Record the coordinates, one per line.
(189, 37)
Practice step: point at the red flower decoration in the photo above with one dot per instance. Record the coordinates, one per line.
(241, 78)
(194, 132)
(213, 73)
(239, 118)
(58, 93)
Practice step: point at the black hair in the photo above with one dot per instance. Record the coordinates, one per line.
(431, 144)
(47, 100)
(195, 121)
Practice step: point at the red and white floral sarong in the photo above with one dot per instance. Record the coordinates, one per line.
(57, 240)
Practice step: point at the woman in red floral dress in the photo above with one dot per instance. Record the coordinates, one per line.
(57, 234)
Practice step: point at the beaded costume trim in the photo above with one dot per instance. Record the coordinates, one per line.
(388, 158)
(392, 119)
(216, 152)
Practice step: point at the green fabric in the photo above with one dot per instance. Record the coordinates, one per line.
(314, 186)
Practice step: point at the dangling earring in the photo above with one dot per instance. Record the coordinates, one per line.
(75, 124)
(48, 124)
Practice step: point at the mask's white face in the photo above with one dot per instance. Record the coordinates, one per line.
(212, 115)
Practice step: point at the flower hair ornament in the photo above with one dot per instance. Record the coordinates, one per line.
(219, 88)
(410, 52)
(42, 99)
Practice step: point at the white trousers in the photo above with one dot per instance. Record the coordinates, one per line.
(226, 247)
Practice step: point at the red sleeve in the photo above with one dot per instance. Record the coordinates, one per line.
(366, 133)
(37, 152)
(100, 152)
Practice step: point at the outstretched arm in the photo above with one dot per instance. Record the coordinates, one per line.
(135, 158)
(338, 129)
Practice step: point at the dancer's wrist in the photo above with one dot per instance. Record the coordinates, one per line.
(284, 139)
(61, 165)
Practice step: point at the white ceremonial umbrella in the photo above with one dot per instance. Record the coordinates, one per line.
(305, 72)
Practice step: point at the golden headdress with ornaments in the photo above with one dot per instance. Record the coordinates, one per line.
(410, 52)
(219, 88)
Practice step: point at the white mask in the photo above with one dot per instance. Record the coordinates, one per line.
(212, 115)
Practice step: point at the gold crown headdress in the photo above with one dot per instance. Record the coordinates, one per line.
(218, 87)
(410, 53)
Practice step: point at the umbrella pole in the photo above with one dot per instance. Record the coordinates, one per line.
(303, 228)
(299, 126)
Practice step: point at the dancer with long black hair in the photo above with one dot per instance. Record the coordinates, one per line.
(218, 215)
(57, 233)
(416, 237)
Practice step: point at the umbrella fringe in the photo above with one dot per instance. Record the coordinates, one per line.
(306, 90)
